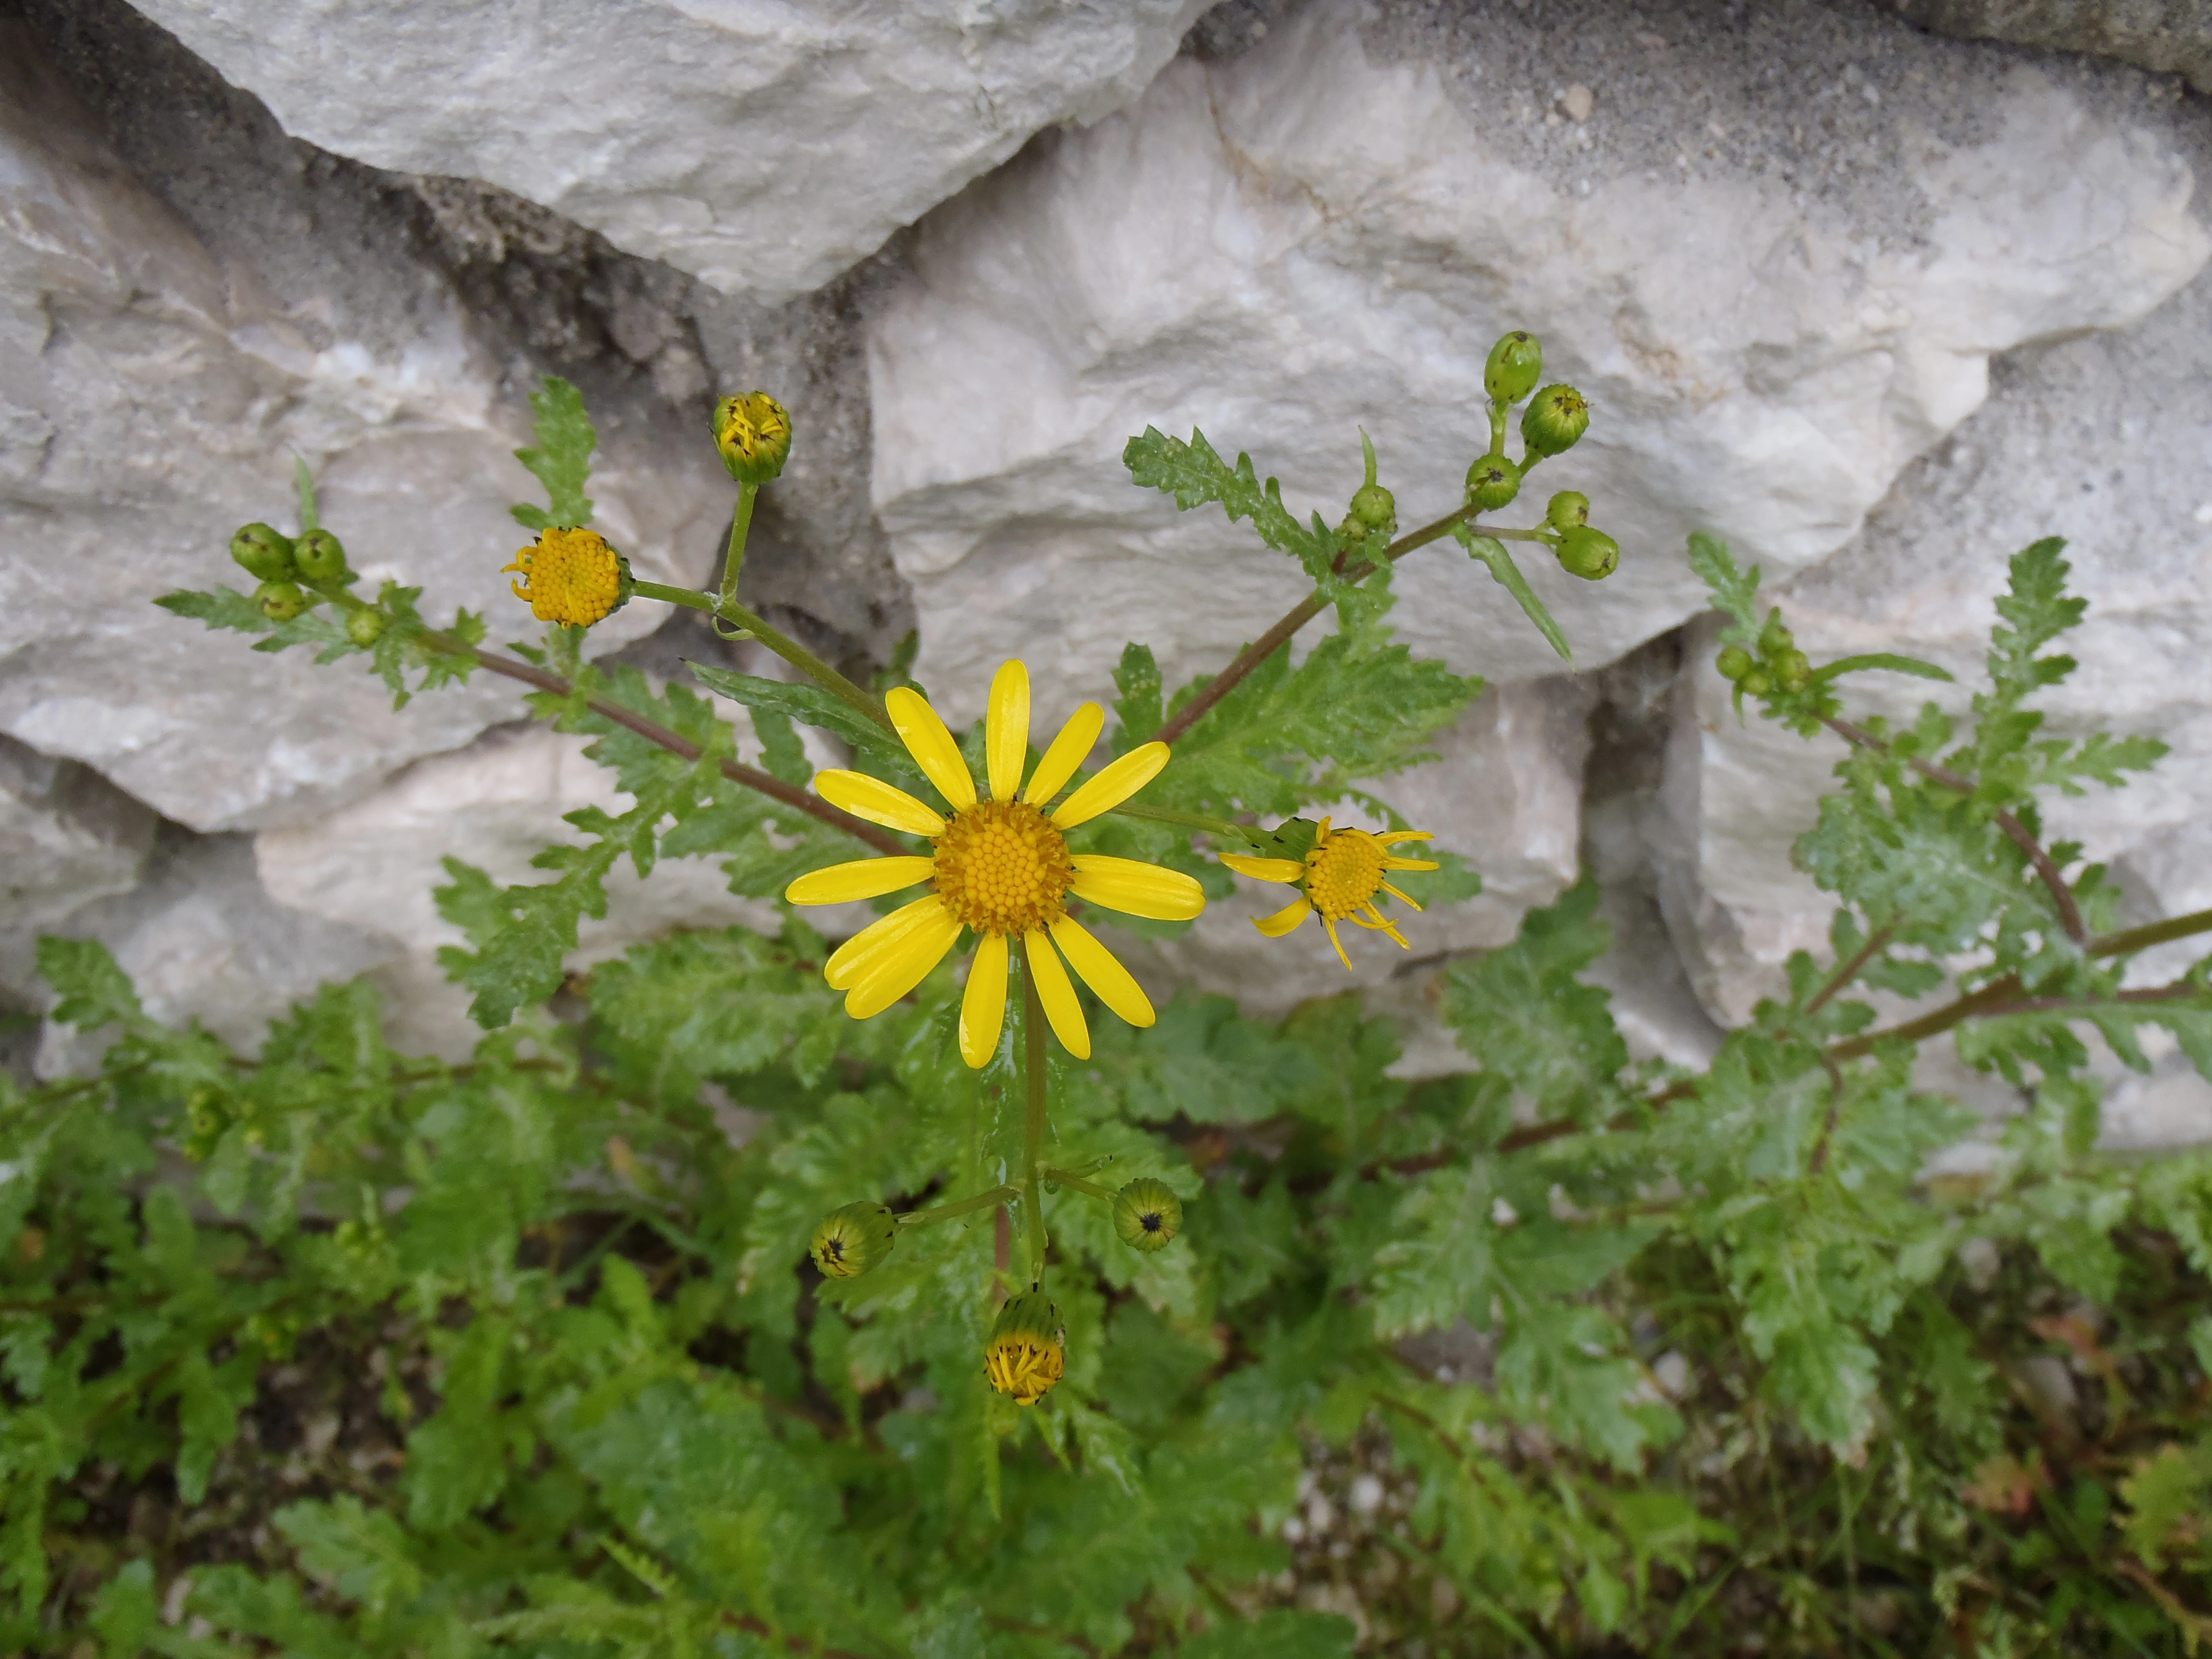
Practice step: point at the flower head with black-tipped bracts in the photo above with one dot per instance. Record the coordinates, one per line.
(1340, 876)
(1028, 1349)
(1001, 867)
(571, 576)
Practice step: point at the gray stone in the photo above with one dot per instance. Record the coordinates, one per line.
(1300, 239)
(67, 837)
(2166, 35)
(765, 148)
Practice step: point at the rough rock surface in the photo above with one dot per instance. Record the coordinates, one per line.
(1311, 236)
(67, 836)
(2156, 35)
(763, 147)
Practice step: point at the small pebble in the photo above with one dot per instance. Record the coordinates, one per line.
(1578, 101)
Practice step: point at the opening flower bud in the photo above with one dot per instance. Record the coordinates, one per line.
(1147, 1214)
(1735, 662)
(320, 556)
(1590, 554)
(1554, 421)
(572, 577)
(1516, 363)
(1568, 510)
(366, 627)
(753, 433)
(280, 601)
(1375, 510)
(265, 554)
(1492, 483)
(1028, 1349)
(848, 1242)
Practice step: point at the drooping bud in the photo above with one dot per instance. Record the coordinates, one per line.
(1028, 1349)
(1554, 421)
(1516, 363)
(1793, 670)
(848, 1242)
(265, 554)
(365, 628)
(320, 556)
(1735, 662)
(280, 601)
(1590, 554)
(1568, 510)
(1492, 483)
(571, 576)
(754, 435)
(1147, 1214)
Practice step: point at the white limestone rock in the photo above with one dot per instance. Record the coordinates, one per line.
(761, 146)
(66, 838)
(151, 398)
(1283, 246)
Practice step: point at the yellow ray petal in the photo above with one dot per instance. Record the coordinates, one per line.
(1115, 783)
(1286, 919)
(1067, 753)
(932, 746)
(983, 1004)
(1006, 730)
(1244, 864)
(1137, 890)
(1102, 972)
(850, 960)
(1333, 939)
(890, 974)
(879, 802)
(868, 878)
(1391, 838)
(1411, 864)
(1403, 898)
(1381, 924)
(1061, 1007)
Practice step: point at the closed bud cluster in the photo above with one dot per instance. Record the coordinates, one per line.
(1374, 512)
(1492, 483)
(1777, 666)
(1516, 363)
(1147, 1214)
(1554, 421)
(848, 1242)
(753, 433)
(1028, 1349)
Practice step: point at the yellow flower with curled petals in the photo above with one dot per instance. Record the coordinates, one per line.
(570, 576)
(1340, 877)
(1000, 867)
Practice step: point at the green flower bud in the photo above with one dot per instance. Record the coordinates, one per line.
(848, 1242)
(1028, 1349)
(1793, 670)
(754, 435)
(266, 553)
(1492, 483)
(1590, 554)
(1516, 363)
(1375, 510)
(280, 601)
(1735, 662)
(1147, 1214)
(1774, 638)
(1570, 510)
(365, 628)
(1756, 682)
(320, 556)
(1554, 421)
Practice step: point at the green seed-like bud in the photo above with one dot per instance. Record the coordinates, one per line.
(1554, 421)
(1570, 510)
(1375, 510)
(1590, 554)
(754, 435)
(848, 1242)
(1147, 1214)
(1757, 683)
(1774, 638)
(1793, 670)
(1735, 662)
(1516, 363)
(266, 553)
(320, 556)
(1492, 483)
(1028, 1351)
(366, 627)
(280, 601)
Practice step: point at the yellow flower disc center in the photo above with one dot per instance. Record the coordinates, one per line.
(1025, 1367)
(1344, 873)
(570, 576)
(1002, 867)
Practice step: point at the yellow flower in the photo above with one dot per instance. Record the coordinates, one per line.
(1001, 867)
(754, 434)
(1027, 1353)
(1339, 878)
(570, 576)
